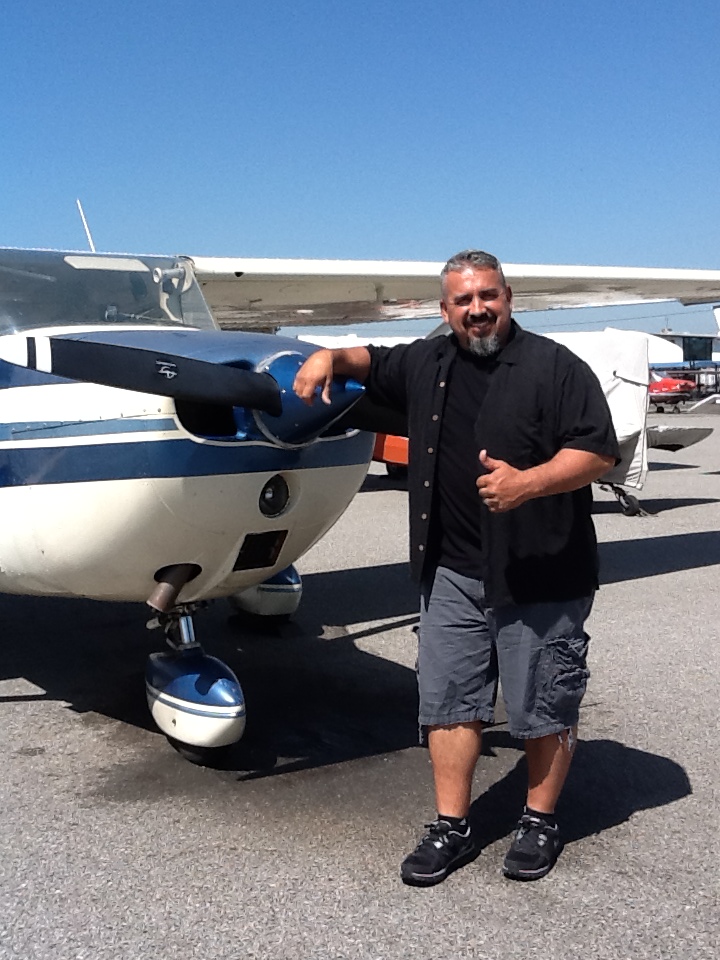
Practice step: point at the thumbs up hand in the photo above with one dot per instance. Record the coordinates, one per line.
(503, 487)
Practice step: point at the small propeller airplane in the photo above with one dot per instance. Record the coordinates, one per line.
(670, 391)
(148, 455)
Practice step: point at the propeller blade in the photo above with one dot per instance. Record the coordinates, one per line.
(147, 371)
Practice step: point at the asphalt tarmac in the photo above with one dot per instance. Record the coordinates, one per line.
(114, 846)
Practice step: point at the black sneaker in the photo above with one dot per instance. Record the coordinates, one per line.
(534, 850)
(440, 851)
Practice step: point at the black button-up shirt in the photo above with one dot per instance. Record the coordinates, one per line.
(541, 398)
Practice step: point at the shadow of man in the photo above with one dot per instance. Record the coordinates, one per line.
(607, 784)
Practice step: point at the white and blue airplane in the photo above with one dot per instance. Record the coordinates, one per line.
(148, 455)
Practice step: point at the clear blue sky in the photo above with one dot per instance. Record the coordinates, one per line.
(554, 132)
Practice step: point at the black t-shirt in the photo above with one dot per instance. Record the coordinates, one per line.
(458, 502)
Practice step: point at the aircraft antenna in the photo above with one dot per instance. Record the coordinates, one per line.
(85, 224)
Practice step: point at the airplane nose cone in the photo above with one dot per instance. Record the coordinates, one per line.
(299, 424)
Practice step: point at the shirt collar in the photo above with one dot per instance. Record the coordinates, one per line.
(510, 353)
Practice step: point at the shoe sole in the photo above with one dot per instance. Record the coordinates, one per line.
(531, 874)
(431, 879)
(528, 874)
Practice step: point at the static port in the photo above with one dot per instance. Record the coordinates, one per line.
(274, 497)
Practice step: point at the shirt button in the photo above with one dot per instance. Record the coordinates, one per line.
(442, 383)
(434, 416)
(421, 548)
(430, 450)
(427, 483)
(423, 516)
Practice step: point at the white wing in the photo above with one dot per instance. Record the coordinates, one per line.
(245, 293)
(260, 292)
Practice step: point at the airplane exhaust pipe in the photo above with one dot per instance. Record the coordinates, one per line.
(170, 581)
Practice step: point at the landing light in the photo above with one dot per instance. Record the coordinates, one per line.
(274, 497)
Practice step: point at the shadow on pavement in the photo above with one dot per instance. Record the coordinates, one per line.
(360, 594)
(607, 784)
(651, 556)
(374, 481)
(313, 697)
(653, 507)
(664, 465)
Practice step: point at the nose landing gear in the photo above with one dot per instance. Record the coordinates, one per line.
(629, 504)
(195, 699)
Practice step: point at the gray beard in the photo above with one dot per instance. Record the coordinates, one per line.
(484, 346)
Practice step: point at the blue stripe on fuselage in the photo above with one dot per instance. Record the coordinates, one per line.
(145, 459)
(52, 429)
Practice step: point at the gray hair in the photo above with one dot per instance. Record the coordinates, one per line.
(475, 260)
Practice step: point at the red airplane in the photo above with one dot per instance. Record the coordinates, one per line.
(669, 391)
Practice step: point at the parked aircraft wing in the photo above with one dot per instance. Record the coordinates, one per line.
(662, 437)
(244, 292)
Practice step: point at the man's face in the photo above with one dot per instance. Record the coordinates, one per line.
(478, 306)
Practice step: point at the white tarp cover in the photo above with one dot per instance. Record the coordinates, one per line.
(619, 359)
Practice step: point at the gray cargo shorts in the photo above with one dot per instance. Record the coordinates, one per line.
(537, 651)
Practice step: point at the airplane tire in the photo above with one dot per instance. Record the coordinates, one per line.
(630, 505)
(396, 471)
(213, 757)
(263, 623)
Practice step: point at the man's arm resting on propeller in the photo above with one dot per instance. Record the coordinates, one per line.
(504, 487)
(320, 368)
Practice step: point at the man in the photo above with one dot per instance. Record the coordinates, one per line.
(507, 577)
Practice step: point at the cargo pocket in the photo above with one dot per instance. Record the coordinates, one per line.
(566, 676)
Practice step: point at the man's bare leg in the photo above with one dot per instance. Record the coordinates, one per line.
(454, 753)
(537, 843)
(548, 760)
(449, 844)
